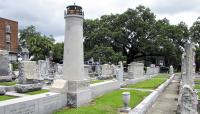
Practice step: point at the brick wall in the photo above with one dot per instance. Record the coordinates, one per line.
(13, 34)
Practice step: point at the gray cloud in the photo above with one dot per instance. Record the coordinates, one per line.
(175, 6)
(47, 15)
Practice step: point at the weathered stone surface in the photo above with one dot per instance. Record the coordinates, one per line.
(27, 71)
(42, 68)
(2, 91)
(59, 86)
(135, 70)
(5, 78)
(120, 72)
(37, 104)
(171, 69)
(106, 72)
(4, 61)
(22, 88)
(99, 89)
(187, 101)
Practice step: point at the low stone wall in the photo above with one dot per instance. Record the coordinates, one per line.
(101, 88)
(37, 104)
(8, 88)
(147, 103)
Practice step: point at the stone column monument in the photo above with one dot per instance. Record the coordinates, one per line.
(189, 49)
(78, 85)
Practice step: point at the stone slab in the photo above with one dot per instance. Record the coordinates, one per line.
(36, 104)
(59, 86)
(101, 88)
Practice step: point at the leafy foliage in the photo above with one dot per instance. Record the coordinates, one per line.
(137, 35)
(39, 45)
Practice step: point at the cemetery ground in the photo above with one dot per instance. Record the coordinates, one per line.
(6, 97)
(111, 103)
(152, 83)
(37, 92)
(197, 86)
(167, 101)
(8, 83)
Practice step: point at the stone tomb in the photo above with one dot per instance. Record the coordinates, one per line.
(4, 61)
(5, 73)
(28, 77)
(30, 70)
(42, 68)
(37, 104)
(106, 71)
(135, 70)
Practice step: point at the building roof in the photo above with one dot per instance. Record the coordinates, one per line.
(8, 19)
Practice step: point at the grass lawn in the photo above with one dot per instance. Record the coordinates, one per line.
(162, 76)
(37, 92)
(7, 83)
(96, 81)
(197, 81)
(197, 86)
(109, 103)
(152, 83)
(6, 97)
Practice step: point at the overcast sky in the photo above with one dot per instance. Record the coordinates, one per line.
(48, 15)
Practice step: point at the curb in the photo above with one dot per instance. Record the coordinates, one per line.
(147, 103)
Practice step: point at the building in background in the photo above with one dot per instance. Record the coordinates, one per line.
(9, 37)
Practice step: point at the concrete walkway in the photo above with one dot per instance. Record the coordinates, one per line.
(167, 101)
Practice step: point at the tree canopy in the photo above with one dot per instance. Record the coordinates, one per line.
(133, 35)
(137, 35)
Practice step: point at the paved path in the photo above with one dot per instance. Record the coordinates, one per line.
(167, 101)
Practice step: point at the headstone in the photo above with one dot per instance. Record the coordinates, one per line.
(187, 101)
(171, 70)
(120, 72)
(189, 79)
(60, 69)
(42, 69)
(25, 52)
(106, 71)
(2, 91)
(86, 71)
(10, 67)
(28, 77)
(135, 70)
(30, 69)
(98, 70)
(4, 61)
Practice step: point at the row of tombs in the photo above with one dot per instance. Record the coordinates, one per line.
(32, 75)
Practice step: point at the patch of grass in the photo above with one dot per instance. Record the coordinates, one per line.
(162, 76)
(37, 92)
(109, 103)
(197, 86)
(6, 97)
(152, 83)
(8, 83)
(197, 81)
(96, 81)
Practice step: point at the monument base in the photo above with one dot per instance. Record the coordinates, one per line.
(79, 93)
